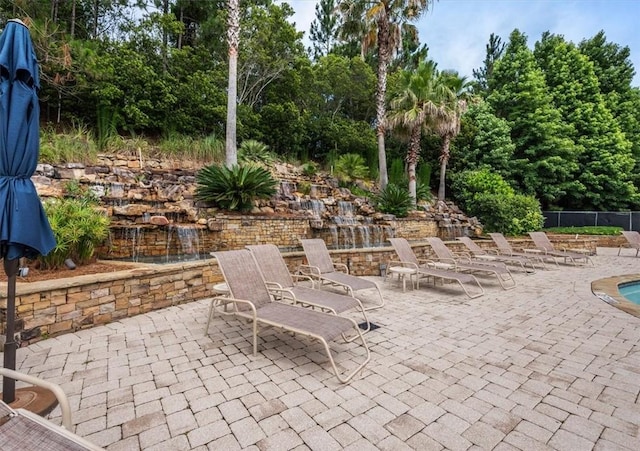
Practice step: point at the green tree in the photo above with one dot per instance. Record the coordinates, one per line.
(447, 125)
(324, 29)
(604, 153)
(545, 159)
(419, 105)
(615, 71)
(380, 24)
(484, 140)
(494, 50)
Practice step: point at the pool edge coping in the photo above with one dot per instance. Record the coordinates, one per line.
(607, 290)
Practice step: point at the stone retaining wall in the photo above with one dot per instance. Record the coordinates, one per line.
(235, 232)
(65, 305)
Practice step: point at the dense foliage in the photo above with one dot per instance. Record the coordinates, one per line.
(78, 229)
(556, 120)
(485, 194)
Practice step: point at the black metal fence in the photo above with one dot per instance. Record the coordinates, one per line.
(628, 220)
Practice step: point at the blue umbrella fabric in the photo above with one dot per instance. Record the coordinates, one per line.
(24, 228)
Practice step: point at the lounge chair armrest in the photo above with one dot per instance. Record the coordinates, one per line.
(466, 255)
(440, 264)
(451, 261)
(298, 277)
(281, 293)
(308, 270)
(224, 300)
(54, 388)
(341, 267)
(274, 285)
(402, 264)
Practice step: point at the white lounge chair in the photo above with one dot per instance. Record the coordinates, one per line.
(322, 268)
(250, 299)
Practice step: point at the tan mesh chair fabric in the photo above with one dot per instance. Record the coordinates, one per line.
(523, 263)
(247, 287)
(633, 241)
(275, 271)
(422, 269)
(544, 245)
(465, 264)
(321, 267)
(504, 247)
(21, 430)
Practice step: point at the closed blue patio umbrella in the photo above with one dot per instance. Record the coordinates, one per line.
(24, 228)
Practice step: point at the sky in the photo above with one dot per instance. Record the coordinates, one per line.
(457, 31)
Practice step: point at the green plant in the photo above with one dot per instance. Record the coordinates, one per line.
(394, 200)
(72, 146)
(309, 169)
(304, 187)
(235, 188)
(586, 230)
(397, 174)
(423, 174)
(485, 194)
(78, 229)
(350, 166)
(252, 151)
(423, 192)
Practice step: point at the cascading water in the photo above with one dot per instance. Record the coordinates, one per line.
(135, 235)
(183, 243)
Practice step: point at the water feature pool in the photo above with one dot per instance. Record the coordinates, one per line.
(631, 291)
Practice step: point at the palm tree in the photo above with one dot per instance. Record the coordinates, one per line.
(448, 125)
(233, 39)
(381, 23)
(418, 105)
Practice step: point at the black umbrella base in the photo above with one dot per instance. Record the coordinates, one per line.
(38, 400)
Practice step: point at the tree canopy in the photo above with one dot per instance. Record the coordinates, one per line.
(556, 120)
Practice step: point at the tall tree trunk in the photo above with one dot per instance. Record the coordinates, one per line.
(381, 94)
(412, 160)
(165, 38)
(444, 159)
(233, 39)
(73, 20)
(95, 19)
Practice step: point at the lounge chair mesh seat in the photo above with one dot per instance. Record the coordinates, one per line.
(21, 430)
(321, 267)
(252, 300)
(499, 270)
(275, 272)
(505, 248)
(544, 245)
(483, 254)
(408, 259)
(633, 241)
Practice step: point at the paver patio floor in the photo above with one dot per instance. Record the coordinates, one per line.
(547, 365)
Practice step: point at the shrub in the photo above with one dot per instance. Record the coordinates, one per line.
(235, 188)
(350, 167)
(485, 194)
(252, 151)
(309, 169)
(394, 200)
(78, 229)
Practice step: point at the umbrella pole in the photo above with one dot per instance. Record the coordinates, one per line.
(8, 384)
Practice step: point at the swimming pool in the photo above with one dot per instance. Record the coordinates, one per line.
(631, 291)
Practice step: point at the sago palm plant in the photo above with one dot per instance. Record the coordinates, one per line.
(234, 188)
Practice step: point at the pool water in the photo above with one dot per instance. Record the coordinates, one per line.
(630, 291)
